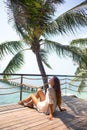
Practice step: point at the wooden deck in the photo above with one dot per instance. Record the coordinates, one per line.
(17, 117)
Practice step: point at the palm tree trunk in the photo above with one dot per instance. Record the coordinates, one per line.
(43, 73)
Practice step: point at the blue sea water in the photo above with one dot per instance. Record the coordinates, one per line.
(73, 88)
(6, 98)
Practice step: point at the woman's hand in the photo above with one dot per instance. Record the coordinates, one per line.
(62, 109)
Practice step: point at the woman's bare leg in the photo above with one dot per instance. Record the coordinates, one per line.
(33, 99)
(40, 94)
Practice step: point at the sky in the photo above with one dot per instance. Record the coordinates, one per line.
(60, 66)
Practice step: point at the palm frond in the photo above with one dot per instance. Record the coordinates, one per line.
(82, 6)
(79, 80)
(21, 31)
(78, 70)
(15, 64)
(10, 47)
(78, 77)
(43, 55)
(79, 42)
(29, 14)
(55, 1)
(51, 29)
(62, 50)
(75, 53)
(69, 21)
(81, 85)
(25, 11)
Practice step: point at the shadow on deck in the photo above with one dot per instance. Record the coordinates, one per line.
(16, 117)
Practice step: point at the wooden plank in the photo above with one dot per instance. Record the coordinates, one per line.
(31, 123)
(78, 123)
(10, 107)
(55, 123)
(44, 125)
(17, 117)
(24, 121)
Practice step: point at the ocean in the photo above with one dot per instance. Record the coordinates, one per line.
(10, 94)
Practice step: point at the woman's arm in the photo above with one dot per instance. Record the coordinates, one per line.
(50, 112)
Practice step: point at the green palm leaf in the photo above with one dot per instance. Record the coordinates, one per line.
(10, 47)
(81, 71)
(43, 54)
(82, 44)
(15, 64)
(80, 80)
(78, 77)
(65, 50)
(79, 42)
(82, 6)
(81, 85)
(69, 21)
(35, 18)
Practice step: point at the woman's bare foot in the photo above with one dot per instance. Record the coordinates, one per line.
(29, 105)
(21, 103)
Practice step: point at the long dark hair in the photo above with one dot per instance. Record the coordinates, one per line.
(57, 90)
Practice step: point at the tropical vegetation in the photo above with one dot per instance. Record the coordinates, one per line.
(81, 71)
(36, 23)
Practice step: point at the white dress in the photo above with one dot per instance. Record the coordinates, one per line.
(43, 106)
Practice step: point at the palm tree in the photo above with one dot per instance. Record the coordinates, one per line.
(34, 20)
(81, 71)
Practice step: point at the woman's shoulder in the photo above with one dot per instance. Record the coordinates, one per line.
(51, 91)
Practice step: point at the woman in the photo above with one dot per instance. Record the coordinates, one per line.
(48, 103)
